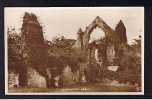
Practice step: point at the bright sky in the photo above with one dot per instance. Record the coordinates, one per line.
(66, 21)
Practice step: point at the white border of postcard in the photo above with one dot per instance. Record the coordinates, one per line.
(74, 93)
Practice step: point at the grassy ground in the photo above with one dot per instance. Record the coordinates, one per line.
(94, 87)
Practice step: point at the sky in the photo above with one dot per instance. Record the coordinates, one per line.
(66, 21)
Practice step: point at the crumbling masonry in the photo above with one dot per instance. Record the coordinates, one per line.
(113, 39)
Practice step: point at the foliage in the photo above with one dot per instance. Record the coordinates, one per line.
(62, 50)
(130, 63)
(15, 59)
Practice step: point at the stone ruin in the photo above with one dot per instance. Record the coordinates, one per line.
(104, 51)
(107, 47)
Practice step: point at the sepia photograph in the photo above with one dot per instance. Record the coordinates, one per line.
(74, 50)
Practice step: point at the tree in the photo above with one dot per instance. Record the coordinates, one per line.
(130, 63)
(15, 59)
(34, 48)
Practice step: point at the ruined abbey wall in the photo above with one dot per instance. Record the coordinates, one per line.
(113, 38)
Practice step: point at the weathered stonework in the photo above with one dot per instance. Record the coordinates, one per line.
(111, 40)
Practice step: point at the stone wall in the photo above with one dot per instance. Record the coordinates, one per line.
(35, 79)
(112, 38)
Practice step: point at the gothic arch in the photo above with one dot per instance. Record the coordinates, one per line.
(112, 36)
(98, 22)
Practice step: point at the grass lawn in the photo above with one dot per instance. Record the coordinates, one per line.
(94, 87)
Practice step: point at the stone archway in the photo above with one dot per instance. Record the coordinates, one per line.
(98, 22)
(96, 34)
(106, 48)
(84, 36)
(112, 38)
